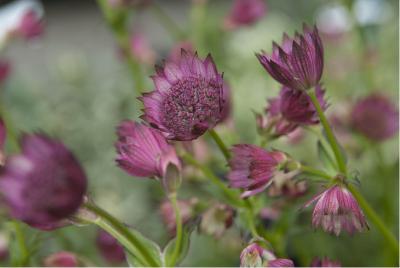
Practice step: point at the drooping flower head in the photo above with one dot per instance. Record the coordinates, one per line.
(298, 62)
(144, 151)
(188, 98)
(256, 256)
(324, 262)
(109, 247)
(62, 259)
(291, 109)
(337, 209)
(252, 168)
(44, 184)
(31, 26)
(5, 69)
(187, 210)
(376, 117)
(245, 13)
(217, 219)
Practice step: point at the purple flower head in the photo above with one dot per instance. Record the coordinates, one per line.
(188, 98)
(143, 151)
(256, 256)
(252, 168)
(109, 247)
(31, 26)
(336, 209)
(296, 106)
(217, 219)
(376, 117)
(5, 69)
(168, 214)
(245, 13)
(298, 62)
(324, 262)
(62, 259)
(44, 184)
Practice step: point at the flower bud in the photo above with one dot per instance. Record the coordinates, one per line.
(217, 219)
(62, 259)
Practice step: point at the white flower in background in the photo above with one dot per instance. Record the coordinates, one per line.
(334, 19)
(372, 12)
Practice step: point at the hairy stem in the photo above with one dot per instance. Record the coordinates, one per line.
(179, 232)
(120, 232)
(220, 143)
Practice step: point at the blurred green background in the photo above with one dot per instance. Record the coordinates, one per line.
(71, 84)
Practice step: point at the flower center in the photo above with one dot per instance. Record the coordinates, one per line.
(191, 107)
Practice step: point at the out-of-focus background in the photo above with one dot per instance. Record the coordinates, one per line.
(72, 83)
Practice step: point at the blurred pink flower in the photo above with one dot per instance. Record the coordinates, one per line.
(31, 26)
(245, 13)
(141, 49)
(109, 247)
(324, 262)
(62, 259)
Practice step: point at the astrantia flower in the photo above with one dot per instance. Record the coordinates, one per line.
(143, 151)
(62, 259)
(324, 262)
(31, 25)
(337, 209)
(252, 168)
(141, 49)
(109, 247)
(376, 117)
(291, 109)
(188, 98)
(256, 256)
(187, 210)
(44, 184)
(298, 62)
(245, 12)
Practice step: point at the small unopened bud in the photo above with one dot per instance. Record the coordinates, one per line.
(172, 178)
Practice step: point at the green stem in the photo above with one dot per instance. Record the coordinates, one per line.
(228, 193)
(329, 134)
(117, 21)
(120, 232)
(369, 211)
(220, 143)
(179, 230)
(316, 172)
(168, 22)
(24, 260)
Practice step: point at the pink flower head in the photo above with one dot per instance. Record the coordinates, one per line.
(296, 106)
(31, 26)
(217, 219)
(336, 209)
(143, 151)
(5, 69)
(62, 259)
(141, 49)
(109, 247)
(376, 117)
(44, 184)
(256, 256)
(252, 168)
(324, 262)
(188, 98)
(298, 62)
(245, 13)
(187, 210)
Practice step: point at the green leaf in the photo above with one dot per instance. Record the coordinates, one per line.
(326, 158)
(153, 248)
(169, 248)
